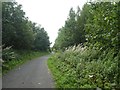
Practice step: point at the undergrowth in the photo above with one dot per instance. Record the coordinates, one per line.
(12, 58)
(79, 67)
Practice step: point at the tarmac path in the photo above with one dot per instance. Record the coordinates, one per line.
(32, 74)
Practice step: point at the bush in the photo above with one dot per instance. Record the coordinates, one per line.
(85, 68)
(7, 54)
(12, 58)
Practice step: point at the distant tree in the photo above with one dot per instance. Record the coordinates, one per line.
(41, 40)
(72, 33)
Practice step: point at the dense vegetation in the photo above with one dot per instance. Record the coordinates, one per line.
(87, 46)
(19, 34)
(13, 58)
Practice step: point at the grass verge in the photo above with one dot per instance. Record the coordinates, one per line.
(55, 72)
(22, 57)
(61, 78)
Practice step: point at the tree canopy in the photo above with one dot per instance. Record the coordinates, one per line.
(96, 25)
(19, 32)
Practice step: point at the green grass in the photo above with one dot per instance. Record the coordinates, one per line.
(55, 72)
(62, 78)
(22, 57)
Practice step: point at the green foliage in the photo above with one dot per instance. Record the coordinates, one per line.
(97, 62)
(72, 33)
(41, 40)
(80, 67)
(103, 25)
(19, 32)
(7, 54)
(20, 57)
(22, 39)
(96, 24)
(15, 29)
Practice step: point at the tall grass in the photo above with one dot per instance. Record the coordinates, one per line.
(83, 67)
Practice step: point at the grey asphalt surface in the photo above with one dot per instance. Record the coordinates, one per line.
(32, 74)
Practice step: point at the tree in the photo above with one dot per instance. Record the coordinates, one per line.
(73, 31)
(102, 28)
(19, 32)
(16, 30)
(41, 40)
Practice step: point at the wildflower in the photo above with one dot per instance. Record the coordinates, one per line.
(90, 76)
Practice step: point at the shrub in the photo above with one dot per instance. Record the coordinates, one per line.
(86, 67)
(7, 54)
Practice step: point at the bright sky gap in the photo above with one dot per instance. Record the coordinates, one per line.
(50, 14)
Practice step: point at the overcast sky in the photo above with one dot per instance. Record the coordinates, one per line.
(50, 14)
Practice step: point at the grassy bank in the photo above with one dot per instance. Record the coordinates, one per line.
(85, 68)
(20, 58)
(56, 73)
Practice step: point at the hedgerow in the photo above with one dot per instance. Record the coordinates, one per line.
(80, 67)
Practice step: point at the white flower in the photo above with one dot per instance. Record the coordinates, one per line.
(90, 76)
